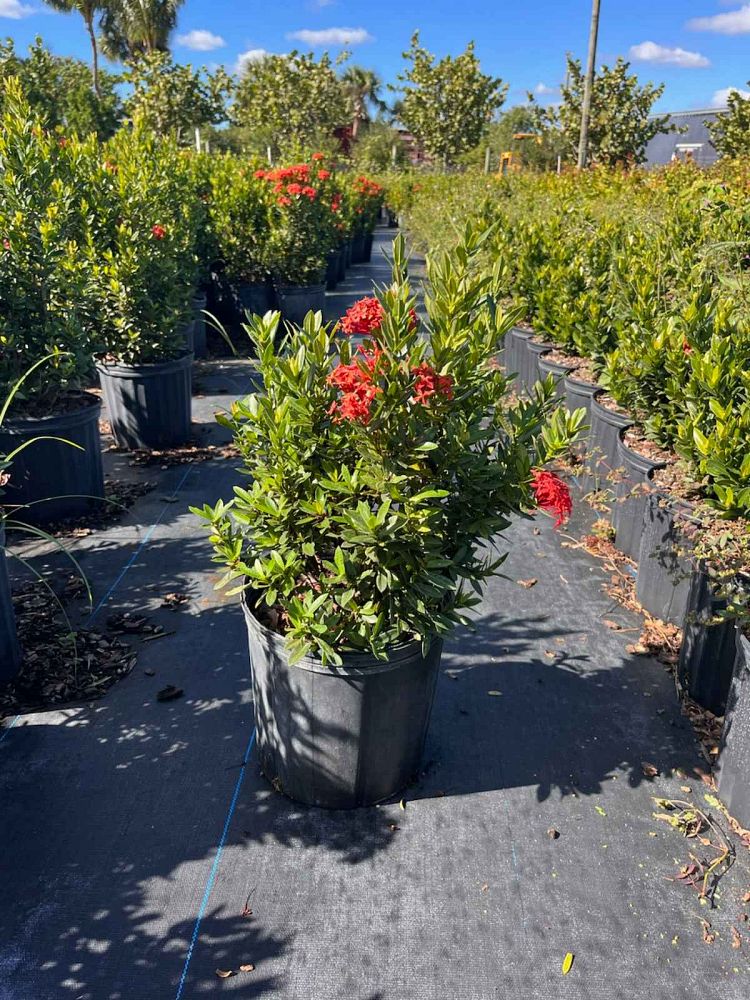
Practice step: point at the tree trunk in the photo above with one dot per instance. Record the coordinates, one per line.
(94, 56)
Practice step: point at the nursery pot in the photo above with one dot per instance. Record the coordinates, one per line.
(332, 270)
(348, 253)
(296, 301)
(369, 238)
(579, 394)
(629, 511)
(199, 325)
(516, 341)
(10, 651)
(340, 737)
(149, 405)
(255, 298)
(734, 753)
(708, 648)
(68, 480)
(359, 248)
(188, 332)
(535, 350)
(557, 371)
(602, 460)
(341, 258)
(665, 566)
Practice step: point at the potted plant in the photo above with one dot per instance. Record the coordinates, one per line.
(44, 204)
(375, 476)
(367, 197)
(734, 751)
(302, 233)
(141, 271)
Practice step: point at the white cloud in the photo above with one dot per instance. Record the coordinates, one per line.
(332, 36)
(15, 10)
(734, 22)
(251, 56)
(201, 40)
(544, 91)
(720, 98)
(651, 52)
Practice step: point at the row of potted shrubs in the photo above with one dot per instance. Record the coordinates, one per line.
(630, 292)
(107, 252)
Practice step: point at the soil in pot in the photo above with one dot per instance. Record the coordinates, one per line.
(53, 479)
(10, 650)
(340, 737)
(665, 563)
(295, 301)
(733, 768)
(639, 459)
(559, 366)
(149, 405)
(603, 455)
(708, 648)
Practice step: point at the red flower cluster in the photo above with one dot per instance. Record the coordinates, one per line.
(293, 180)
(323, 175)
(363, 185)
(159, 232)
(552, 494)
(429, 383)
(259, 175)
(317, 156)
(365, 316)
(336, 203)
(355, 381)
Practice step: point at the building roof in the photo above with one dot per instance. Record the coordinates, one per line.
(694, 138)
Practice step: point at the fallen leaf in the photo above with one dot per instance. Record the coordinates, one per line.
(567, 964)
(564, 579)
(600, 810)
(393, 827)
(746, 898)
(495, 694)
(527, 584)
(402, 804)
(610, 624)
(637, 649)
(552, 833)
(169, 693)
(736, 938)
(686, 789)
(652, 833)
(649, 770)
(224, 973)
(247, 968)
(484, 887)
(709, 936)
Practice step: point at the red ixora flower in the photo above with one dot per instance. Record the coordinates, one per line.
(551, 494)
(259, 175)
(323, 175)
(294, 188)
(428, 384)
(365, 316)
(283, 200)
(317, 156)
(159, 232)
(355, 381)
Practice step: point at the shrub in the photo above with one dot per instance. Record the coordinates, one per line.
(376, 477)
(239, 206)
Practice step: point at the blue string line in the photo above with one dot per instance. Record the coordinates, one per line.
(134, 556)
(8, 728)
(214, 868)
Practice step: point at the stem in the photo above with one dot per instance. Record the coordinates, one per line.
(94, 55)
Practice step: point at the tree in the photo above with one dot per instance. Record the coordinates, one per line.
(171, 99)
(730, 132)
(362, 88)
(88, 9)
(293, 99)
(621, 124)
(516, 132)
(59, 89)
(133, 27)
(447, 105)
(373, 152)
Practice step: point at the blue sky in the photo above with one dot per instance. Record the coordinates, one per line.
(698, 48)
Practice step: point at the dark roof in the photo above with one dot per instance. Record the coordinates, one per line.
(664, 148)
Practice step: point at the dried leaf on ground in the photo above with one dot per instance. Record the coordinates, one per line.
(174, 600)
(552, 833)
(248, 967)
(736, 938)
(224, 973)
(567, 963)
(527, 584)
(649, 770)
(709, 936)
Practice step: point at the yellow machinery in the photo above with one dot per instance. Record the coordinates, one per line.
(510, 161)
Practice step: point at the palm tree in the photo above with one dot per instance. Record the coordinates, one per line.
(88, 9)
(132, 27)
(362, 87)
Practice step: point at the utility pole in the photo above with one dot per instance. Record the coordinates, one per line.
(583, 145)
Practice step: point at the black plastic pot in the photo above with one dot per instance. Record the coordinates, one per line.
(340, 737)
(369, 238)
(665, 564)
(149, 405)
(332, 270)
(603, 453)
(516, 341)
(359, 248)
(535, 351)
(708, 650)
(579, 394)
(10, 651)
(733, 769)
(188, 332)
(296, 301)
(631, 490)
(341, 254)
(557, 371)
(57, 481)
(199, 325)
(256, 298)
(348, 253)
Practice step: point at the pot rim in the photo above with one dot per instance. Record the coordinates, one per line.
(555, 366)
(152, 369)
(355, 666)
(92, 404)
(582, 385)
(611, 417)
(300, 289)
(518, 331)
(639, 461)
